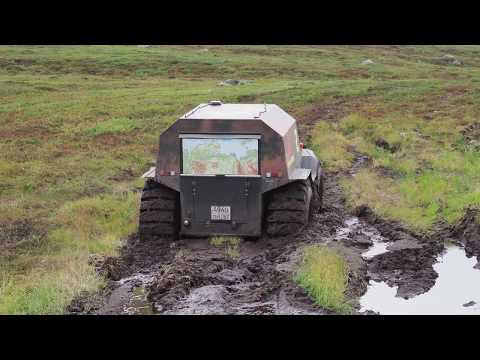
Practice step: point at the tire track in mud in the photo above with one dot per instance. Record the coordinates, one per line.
(191, 276)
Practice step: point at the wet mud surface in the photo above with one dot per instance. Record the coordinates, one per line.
(191, 276)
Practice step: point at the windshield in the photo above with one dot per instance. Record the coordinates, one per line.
(220, 156)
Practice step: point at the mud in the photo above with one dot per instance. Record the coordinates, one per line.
(449, 295)
(408, 264)
(467, 232)
(191, 276)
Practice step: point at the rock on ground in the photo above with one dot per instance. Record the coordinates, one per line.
(368, 62)
(232, 82)
(449, 59)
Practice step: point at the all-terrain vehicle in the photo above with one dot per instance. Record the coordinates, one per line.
(231, 169)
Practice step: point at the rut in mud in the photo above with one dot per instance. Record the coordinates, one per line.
(191, 276)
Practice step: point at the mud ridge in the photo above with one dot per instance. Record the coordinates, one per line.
(466, 232)
(409, 262)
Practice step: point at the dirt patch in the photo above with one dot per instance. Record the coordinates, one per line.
(247, 99)
(86, 303)
(390, 229)
(382, 143)
(326, 112)
(17, 233)
(354, 73)
(34, 133)
(471, 136)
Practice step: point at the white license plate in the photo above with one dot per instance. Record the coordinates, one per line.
(220, 213)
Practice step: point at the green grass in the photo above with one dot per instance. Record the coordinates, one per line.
(80, 124)
(113, 126)
(230, 245)
(324, 275)
(424, 174)
(44, 275)
(48, 292)
(429, 177)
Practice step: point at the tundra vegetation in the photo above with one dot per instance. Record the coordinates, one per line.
(79, 125)
(324, 274)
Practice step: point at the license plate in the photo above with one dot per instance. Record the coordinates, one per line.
(220, 213)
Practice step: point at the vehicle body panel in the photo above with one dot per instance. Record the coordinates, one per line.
(281, 161)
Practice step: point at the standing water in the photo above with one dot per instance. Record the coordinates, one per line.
(354, 225)
(456, 291)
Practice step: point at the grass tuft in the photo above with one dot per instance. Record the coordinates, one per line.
(113, 126)
(230, 244)
(324, 274)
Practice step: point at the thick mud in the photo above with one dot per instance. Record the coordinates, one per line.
(191, 276)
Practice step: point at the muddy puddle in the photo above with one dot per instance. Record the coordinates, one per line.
(129, 296)
(456, 290)
(357, 233)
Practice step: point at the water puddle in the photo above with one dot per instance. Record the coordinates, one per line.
(362, 235)
(376, 249)
(137, 303)
(456, 291)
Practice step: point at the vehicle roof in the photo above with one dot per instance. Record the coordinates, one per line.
(270, 114)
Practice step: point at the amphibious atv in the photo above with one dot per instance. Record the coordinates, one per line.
(231, 169)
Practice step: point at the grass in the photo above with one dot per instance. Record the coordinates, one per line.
(324, 275)
(420, 173)
(434, 179)
(80, 124)
(230, 245)
(45, 275)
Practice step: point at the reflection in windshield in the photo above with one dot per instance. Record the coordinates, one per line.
(220, 156)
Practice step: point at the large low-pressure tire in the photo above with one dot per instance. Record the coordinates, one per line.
(159, 212)
(287, 209)
(317, 197)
